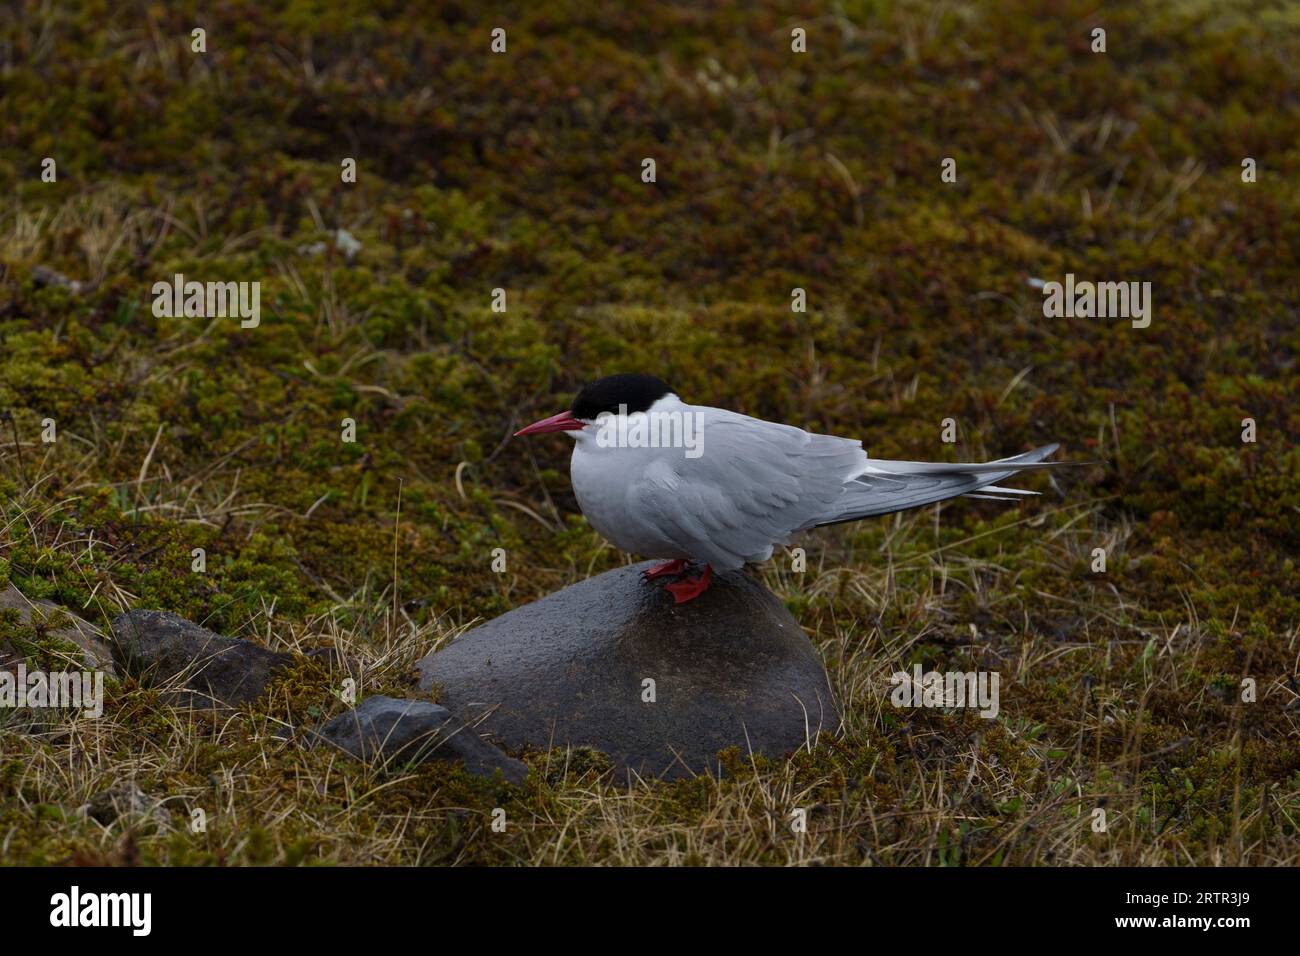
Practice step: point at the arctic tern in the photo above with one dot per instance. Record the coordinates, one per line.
(697, 485)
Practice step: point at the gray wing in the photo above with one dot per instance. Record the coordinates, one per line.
(754, 484)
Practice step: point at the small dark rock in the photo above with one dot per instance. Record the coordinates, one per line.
(214, 669)
(730, 668)
(387, 729)
(126, 801)
(96, 652)
(45, 276)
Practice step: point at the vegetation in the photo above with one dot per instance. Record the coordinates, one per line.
(522, 171)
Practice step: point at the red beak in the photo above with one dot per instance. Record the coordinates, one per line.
(563, 422)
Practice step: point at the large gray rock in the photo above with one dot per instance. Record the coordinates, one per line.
(212, 669)
(386, 729)
(96, 653)
(731, 667)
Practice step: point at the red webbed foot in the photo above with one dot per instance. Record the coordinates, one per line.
(670, 569)
(689, 590)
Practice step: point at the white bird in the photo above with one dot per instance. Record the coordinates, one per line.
(698, 485)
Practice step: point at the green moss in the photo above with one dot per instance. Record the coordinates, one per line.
(522, 174)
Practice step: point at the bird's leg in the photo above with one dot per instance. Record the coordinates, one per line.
(684, 591)
(669, 569)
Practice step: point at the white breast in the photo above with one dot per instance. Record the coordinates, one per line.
(604, 480)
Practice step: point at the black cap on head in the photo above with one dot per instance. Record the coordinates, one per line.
(637, 392)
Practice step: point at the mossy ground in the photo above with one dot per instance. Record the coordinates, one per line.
(522, 171)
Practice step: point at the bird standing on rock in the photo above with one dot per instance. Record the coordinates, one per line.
(698, 485)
